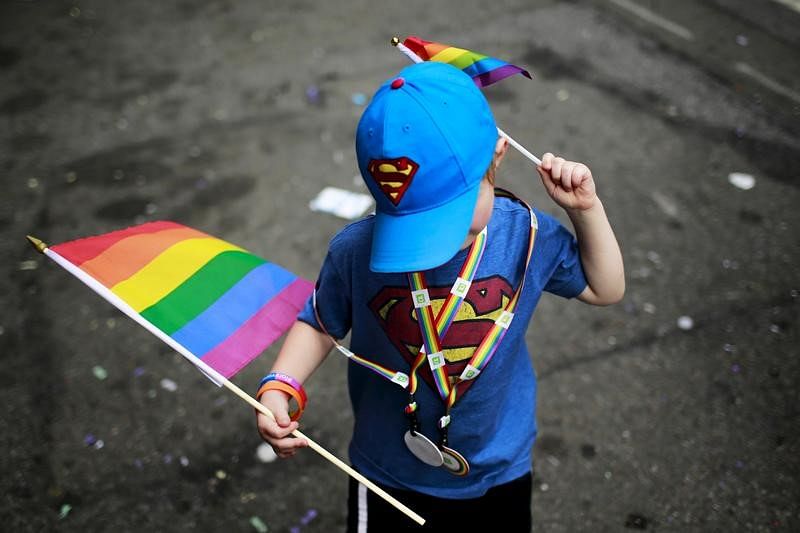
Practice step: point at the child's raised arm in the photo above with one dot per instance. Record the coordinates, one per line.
(302, 352)
(571, 186)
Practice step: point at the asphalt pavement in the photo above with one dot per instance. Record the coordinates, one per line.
(675, 410)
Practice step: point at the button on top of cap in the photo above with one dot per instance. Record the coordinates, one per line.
(397, 83)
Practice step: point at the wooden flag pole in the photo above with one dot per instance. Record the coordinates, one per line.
(215, 376)
(330, 457)
(416, 59)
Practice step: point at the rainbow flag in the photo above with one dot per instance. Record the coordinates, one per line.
(221, 303)
(484, 70)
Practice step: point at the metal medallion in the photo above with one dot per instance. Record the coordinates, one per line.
(454, 462)
(423, 449)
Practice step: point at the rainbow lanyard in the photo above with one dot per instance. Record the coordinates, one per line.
(442, 322)
(488, 346)
(433, 330)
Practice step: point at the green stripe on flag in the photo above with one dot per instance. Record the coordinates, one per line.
(200, 290)
(466, 59)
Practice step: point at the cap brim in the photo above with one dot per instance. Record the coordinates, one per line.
(422, 241)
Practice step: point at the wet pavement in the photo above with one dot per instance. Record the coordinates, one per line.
(676, 410)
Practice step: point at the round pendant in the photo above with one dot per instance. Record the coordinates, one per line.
(423, 449)
(454, 462)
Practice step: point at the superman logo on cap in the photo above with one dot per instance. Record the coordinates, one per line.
(393, 176)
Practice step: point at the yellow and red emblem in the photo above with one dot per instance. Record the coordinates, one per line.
(393, 176)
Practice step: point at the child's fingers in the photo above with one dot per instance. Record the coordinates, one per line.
(547, 180)
(288, 447)
(556, 168)
(547, 160)
(271, 430)
(567, 170)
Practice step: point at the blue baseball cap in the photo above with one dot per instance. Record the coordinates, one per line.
(423, 145)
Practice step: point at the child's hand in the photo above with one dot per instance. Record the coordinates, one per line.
(568, 183)
(276, 432)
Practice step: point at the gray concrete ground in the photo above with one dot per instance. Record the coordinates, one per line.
(231, 116)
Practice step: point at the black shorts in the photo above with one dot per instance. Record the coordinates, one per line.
(506, 508)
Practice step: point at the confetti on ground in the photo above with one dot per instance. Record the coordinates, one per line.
(312, 94)
(358, 99)
(741, 180)
(265, 453)
(99, 444)
(562, 95)
(89, 439)
(138, 371)
(64, 511)
(169, 385)
(99, 372)
(28, 265)
(221, 474)
(258, 524)
(184, 461)
(344, 204)
(308, 517)
(685, 323)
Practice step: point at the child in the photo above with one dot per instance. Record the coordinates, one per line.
(452, 440)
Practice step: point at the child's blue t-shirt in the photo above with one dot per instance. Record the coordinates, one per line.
(493, 424)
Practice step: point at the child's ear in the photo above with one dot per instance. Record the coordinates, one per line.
(500, 149)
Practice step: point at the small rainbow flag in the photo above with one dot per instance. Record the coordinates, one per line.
(221, 303)
(484, 70)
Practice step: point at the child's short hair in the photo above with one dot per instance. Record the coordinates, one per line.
(424, 144)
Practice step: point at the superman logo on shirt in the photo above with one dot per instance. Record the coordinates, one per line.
(485, 300)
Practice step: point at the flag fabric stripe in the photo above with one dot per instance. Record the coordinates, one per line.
(125, 257)
(431, 49)
(260, 330)
(233, 308)
(469, 60)
(168, 270)
(82, 250)
(486, 64)
(488, 78)
(452, 55)
(424, 49)
(203, 296)
(484, 70)
(199, 291)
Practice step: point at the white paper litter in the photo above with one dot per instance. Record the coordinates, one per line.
(344, 204)
(741, 180)
(685, 323)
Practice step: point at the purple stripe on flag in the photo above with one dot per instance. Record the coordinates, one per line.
(258, 332)
(498, 74)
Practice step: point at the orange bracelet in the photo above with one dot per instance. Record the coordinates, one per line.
(288, 389)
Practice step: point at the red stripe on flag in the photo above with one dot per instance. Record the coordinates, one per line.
(81, 250)
(417, 45)
(260, 330)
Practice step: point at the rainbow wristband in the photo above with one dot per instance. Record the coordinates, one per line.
(286, 378)
(288, 385)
